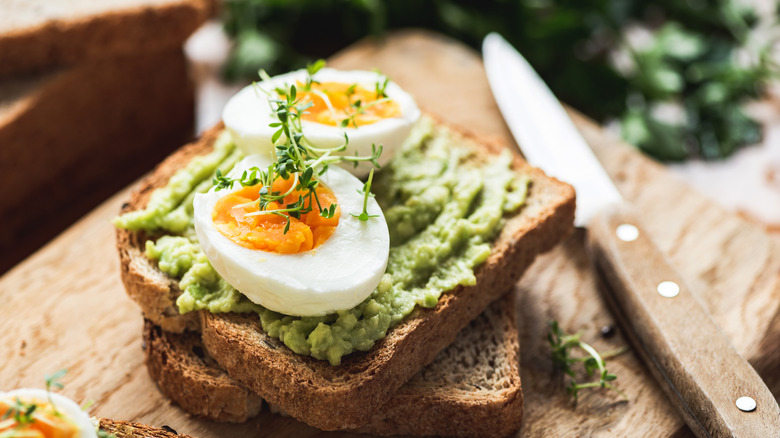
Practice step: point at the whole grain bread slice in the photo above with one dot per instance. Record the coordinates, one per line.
(179, 365)
(354, 390)
(126, 429)
(36, 34)
(472, 388)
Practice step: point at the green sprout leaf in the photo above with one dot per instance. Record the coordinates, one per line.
(561, 346)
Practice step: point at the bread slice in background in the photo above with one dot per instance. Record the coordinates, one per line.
(40, 34)
(472, 388)
(71, 138)
(353, 391)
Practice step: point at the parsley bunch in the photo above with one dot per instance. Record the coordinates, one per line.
(678, 95)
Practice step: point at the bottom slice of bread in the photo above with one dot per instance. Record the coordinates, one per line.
(126, 429)
(471, 389)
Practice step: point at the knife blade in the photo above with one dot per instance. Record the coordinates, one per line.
(715, 390)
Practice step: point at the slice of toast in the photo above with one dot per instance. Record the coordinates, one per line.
(472, 388)
(126, 429)
(36, 34)
(356, 389)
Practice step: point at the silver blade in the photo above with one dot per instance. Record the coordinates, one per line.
(543, 130)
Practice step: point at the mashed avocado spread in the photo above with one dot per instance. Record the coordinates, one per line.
(443, 206)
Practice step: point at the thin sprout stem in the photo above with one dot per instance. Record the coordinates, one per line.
(592, 351)
(368, 184)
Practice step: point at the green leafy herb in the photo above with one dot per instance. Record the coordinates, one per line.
(562, 344)
(700, 57)
(296, 158)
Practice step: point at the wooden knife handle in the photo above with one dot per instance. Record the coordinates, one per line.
(698, 368)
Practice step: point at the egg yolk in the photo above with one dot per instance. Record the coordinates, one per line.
(265, 232)
(45, 422)
(339, 104)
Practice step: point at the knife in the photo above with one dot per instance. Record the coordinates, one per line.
(716, 391)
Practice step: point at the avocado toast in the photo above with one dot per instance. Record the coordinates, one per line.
(353, 391)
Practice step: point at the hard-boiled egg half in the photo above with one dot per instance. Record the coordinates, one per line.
(63, 418)
(364, 105)
(317, 266)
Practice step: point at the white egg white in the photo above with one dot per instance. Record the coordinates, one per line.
(337, 275)
(64, 405)
(248, 114)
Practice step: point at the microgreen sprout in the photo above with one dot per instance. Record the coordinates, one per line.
(366, 192)
(358, 108)
(296, 158)
(311, 69)
(562, 343)
(380, 88)
(53, 381)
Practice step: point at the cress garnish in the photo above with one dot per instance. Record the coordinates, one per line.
(562, 343)
(297, 157)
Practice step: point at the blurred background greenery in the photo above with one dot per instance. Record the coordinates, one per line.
(674, 75)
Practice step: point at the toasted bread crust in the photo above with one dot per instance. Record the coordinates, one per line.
(154, 291)
(354, 390)
(126, 429)
(453, 412)
(177, 360)
(179, 365)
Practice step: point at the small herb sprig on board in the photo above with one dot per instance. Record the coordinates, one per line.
(562, 344)
(296, 157)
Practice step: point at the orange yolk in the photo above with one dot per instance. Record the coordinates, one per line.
(45, 424)
(266, 232)
(344, 105)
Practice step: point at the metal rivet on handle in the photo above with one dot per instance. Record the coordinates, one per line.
(627, 232)
(746, 404)
(668, 289)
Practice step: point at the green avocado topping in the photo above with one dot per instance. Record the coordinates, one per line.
(443, 206)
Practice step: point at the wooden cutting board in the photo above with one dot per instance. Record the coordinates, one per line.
(65, 306)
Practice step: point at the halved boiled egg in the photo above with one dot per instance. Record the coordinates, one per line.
(316, 266)
(359, 103)
(62, 419)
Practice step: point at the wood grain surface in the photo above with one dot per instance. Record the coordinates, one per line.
(65, 307)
